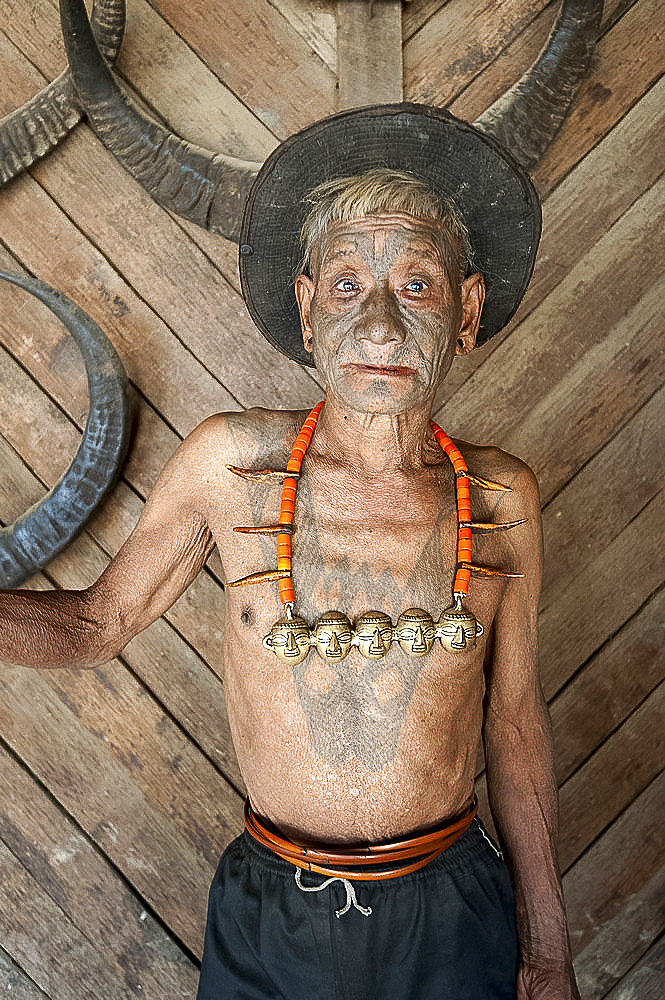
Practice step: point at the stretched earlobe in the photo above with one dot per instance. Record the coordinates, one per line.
(473, 299)
(304, 289)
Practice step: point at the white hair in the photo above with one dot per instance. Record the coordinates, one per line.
(377, 192)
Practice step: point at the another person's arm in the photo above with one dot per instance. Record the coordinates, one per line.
(160, 559)
(520, 772)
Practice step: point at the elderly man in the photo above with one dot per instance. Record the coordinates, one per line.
(382, 590)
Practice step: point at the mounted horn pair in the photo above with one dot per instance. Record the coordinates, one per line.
(210, 188)
(35, 129)
(46, 528)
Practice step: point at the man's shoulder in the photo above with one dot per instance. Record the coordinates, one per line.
(506, 470)
(489, 460)
(244, 436)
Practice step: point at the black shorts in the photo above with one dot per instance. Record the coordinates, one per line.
(446, 932)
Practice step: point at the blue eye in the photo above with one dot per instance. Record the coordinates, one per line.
(416, 285)
(346, 285)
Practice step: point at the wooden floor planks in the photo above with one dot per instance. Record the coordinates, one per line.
(645, 981)
(623, 941)
(119, 788)
(66, 868)
(614, 682)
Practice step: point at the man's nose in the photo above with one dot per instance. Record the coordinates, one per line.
(379, 320)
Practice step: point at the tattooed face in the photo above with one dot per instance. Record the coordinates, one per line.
(383, 312)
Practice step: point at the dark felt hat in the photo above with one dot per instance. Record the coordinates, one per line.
(494, 194)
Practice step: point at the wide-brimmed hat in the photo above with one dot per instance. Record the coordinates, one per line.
(495, 196)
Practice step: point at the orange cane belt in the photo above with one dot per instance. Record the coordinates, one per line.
(325, 861)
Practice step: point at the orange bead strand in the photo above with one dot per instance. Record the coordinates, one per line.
(289, 486)
(464, 535)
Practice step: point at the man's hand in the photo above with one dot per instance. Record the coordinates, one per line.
(521, 782)
(541, 981)
(166, 550)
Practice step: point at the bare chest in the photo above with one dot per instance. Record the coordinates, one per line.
(384, 545)
(355, 549)
(383, 549)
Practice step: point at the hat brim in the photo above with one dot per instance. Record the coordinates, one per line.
(494, 194)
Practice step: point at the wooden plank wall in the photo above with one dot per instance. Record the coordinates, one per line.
(119, 787)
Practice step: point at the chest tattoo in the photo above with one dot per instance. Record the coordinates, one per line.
(355, 705)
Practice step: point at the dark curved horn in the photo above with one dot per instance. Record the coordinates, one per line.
(529, 115)
(35, 129)
(46, 528)
(207, 188)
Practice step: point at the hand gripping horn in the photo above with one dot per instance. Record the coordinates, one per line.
(46, 528)
(35, 129)
(210, 188)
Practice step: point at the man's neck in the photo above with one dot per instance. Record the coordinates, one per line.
(374, 443)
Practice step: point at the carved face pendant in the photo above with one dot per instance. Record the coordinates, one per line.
(415, 632)
(289, 639)
(374, 634)
(458, 629)
(332, 636)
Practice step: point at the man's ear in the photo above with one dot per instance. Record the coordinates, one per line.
(473, 298)
(304, 294)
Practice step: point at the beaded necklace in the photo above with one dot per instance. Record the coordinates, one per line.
(333, 635)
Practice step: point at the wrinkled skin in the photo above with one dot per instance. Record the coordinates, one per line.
(387, 313)
(366, 749)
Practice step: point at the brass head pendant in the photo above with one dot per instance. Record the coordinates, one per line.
(333, 635)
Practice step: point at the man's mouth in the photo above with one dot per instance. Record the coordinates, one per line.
(379, 371)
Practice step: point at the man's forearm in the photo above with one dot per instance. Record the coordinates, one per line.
(50, 629)
(523, 798)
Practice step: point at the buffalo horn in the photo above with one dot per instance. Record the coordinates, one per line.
(35, 129)
(210, 189)
(207, 188)
(529, 115)
(46, 528)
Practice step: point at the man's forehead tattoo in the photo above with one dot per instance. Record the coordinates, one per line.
(337, 246)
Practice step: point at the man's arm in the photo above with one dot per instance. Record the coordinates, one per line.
(160, 559)
(520, 771)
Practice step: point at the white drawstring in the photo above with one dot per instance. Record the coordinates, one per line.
(350, 894)
(489, 840)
